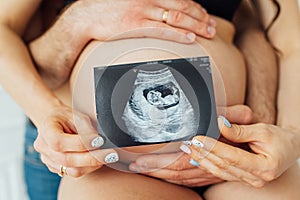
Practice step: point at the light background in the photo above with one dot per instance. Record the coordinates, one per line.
(12, 122)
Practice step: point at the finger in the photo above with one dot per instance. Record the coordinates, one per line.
(213, 169)
(58, 140)
(54, 168)
(188, 7)
(239, 114)
(174, 161)
(182, 20)
(177, 175)
(244, 133)
(63, 142)
(196, 182)
(70, 171)
(223, 166)
(39, 144)
(155, 29)
(232, 162)
(85, 159)
(88, 133)
(80, 171)
(43, 148)
(70, 159)
(233, 155)
(255, 135)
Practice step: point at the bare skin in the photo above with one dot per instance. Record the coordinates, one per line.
(38, 50)
(219, 190)
(235, 94)
(260, 71)
(39, 87)
(276, 148)
(47, 112)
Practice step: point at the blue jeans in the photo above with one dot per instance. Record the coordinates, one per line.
(41, 183)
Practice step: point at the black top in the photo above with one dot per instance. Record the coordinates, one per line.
(221, 8)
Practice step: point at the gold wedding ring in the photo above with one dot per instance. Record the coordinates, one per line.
(165, 16)
(62, 171)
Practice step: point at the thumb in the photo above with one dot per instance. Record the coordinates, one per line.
(236, 133)
(88, 134)
(239, 114)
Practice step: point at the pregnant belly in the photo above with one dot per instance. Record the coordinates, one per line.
(228, 70)
(228, 67)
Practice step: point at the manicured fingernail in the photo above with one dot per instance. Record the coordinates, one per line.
(211, 30)
(185, 149)
(212, 22)
(194, 162)
(111, 158)
(204, 10)
(189, 143)
(197, 143)
(134, 167)
(191, 37)
(226, 122)
(97, 142)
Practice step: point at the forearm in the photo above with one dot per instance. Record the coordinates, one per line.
(289, 96)
(288, 93)
(261, 65)
(59, 47)
(261, 75)
(103, 20)
(284, 34)
(20, 79)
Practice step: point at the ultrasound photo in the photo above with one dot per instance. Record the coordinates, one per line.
(154, 102)
(158, 109)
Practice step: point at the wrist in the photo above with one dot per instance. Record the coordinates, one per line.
(263, 107)
(289, 119)
(70, 30)
(64, 41)
(288, 125)
(43, 107)
(77, 20)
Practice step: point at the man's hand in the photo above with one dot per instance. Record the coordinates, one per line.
(175, 167)
(106, 19)
(109, 20)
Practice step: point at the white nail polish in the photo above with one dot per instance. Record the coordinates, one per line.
(191, 36)
(185, 149)
(134, 168)
(187, 143)
(97, 142)
(212, 22)
(111, 158)
(211, 30)
(197, 143)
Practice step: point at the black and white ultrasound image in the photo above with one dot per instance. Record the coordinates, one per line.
(158, 109)
(155, 102)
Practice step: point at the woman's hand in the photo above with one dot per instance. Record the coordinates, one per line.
(59, 143)
(180, 171)
(274, 150)
(175, 167)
